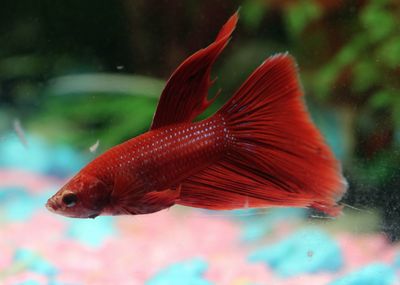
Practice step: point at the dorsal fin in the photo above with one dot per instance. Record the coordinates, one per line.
(185, 94)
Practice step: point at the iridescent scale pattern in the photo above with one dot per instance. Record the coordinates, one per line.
(165, 156)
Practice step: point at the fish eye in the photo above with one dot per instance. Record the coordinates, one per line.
(69, 199)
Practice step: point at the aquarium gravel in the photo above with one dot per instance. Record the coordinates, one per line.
(175, 246)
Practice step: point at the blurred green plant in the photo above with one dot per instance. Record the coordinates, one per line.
(105, 107)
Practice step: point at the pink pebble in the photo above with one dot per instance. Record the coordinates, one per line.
(314, 279)
(360, 250)
(233, 269)
(35, 183)
(24, 277)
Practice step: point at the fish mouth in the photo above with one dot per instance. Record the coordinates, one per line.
(51, 206)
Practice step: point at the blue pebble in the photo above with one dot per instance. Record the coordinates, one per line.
(242, 214)
(18, 204)
(65, 161)
(256, 226)
(20, 210)
(24, 255)
(255, 231)
(307, 251)
(373, 274)
(30, 282)
(11, 193)
(14, 154)
(43, 267)
(33, 262)
(39, 156)
(183, 273)
(397, 261)
(92, 232)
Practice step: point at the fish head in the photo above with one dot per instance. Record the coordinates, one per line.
(84, 196)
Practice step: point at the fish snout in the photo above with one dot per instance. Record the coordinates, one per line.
(51, 205)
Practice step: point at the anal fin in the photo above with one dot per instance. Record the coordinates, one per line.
(227, 186)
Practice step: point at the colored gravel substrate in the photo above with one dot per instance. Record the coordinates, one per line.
(175, 246)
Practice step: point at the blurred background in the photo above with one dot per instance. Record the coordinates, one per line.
(76, 74)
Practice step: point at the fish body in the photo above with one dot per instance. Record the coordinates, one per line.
(260, 149)
(181, 149)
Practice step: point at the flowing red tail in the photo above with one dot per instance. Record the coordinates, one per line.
(277, 157)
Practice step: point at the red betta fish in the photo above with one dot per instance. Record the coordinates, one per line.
(259, 150)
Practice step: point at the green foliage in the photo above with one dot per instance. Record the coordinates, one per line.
(383, 99)
(328, 75)
(74, 120)
(378, 170)
(301, 14)
(252, 12)
(108, 107)
(389, 53)
(365, 76)
(377, 20)
(105, 83)
(19, 66)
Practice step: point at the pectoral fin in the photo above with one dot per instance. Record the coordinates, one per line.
(158, 200)
(128, 199)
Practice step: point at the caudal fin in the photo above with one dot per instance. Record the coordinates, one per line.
(276, 156)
